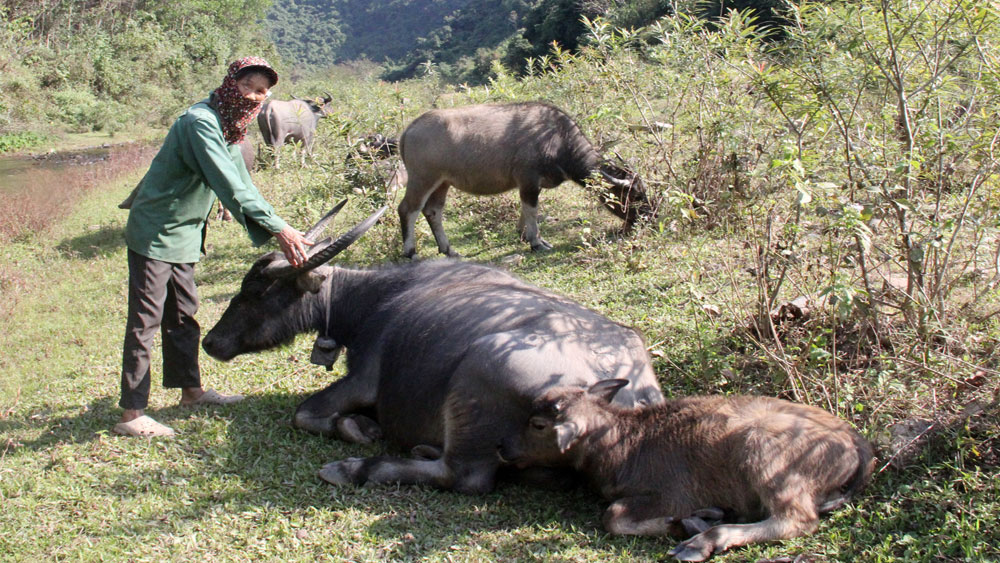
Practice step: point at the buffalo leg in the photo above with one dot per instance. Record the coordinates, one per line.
(417, 192)
(333, 411)
(468, 463)
(528, 223)
(384, 469)
(307, 146)
(721, 538)
(223, 214)
(645, 516)
(276, 148)
(471, 478)
(434, 213)
(789, 518)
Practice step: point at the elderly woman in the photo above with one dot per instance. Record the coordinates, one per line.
(199, 162)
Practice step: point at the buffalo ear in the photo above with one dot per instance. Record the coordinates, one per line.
(311, 281)
(607, 388)
(567, 434)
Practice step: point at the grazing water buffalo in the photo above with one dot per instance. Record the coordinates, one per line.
(294, 120)
(375, 147)
(668, 467)
(247, 152)
(490, 149)
(446, 356)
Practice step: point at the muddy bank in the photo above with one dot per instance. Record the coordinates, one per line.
(18, 172)
(37, 189)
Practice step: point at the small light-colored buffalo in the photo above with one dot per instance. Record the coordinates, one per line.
(669, 467)
(443, 357)
(491, 149)
(294, 120)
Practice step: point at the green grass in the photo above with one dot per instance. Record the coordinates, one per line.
(238, 483)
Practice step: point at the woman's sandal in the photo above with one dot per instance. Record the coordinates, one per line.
(142, 427)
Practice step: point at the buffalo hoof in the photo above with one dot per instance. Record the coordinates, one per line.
(709, 513)
(358, 429)
(344, 472)
(694, 525)
(541, 246)
(322, 425)
(698, 548)
(701, 520)
(426, 452)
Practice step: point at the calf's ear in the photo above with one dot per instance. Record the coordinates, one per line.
(567, 434)
(607, 388)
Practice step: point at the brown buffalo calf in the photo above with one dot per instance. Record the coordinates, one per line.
(668, 467)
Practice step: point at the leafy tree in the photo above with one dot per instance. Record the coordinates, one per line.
(112, 64)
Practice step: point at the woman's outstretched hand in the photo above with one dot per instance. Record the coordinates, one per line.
(293, 244)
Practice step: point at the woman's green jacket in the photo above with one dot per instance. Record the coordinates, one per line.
(194, 166)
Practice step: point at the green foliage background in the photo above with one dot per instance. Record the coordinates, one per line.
(117, 65)
(121, 65)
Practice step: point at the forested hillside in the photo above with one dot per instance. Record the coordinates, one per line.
(461, 39)
(399, 33)
(114, 65)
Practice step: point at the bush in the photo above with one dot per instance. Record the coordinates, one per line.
(78, 108)
(17, 141)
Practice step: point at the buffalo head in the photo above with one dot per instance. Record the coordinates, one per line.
(321, 107)
(276, 299)
(626, 197)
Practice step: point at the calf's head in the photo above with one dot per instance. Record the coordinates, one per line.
(275, 300)
(559, 419)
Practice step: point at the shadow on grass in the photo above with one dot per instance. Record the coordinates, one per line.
(256, 459)
(412, 522)
(259, 460)
(93, 243)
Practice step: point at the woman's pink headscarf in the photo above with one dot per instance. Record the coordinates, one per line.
(237, 112)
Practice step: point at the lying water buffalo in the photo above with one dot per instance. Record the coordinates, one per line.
(668, 467)
(490, 149)
(295, 120)
(448, 357)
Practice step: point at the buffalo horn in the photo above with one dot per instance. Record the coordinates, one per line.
(321, 225)
(616, 181)
(324, 251)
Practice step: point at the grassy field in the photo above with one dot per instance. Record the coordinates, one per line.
(238, 483)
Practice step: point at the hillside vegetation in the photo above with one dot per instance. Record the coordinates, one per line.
(115, 66)
(462, 39)
(828, 232)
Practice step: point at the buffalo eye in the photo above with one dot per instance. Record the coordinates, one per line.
(539, 423)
